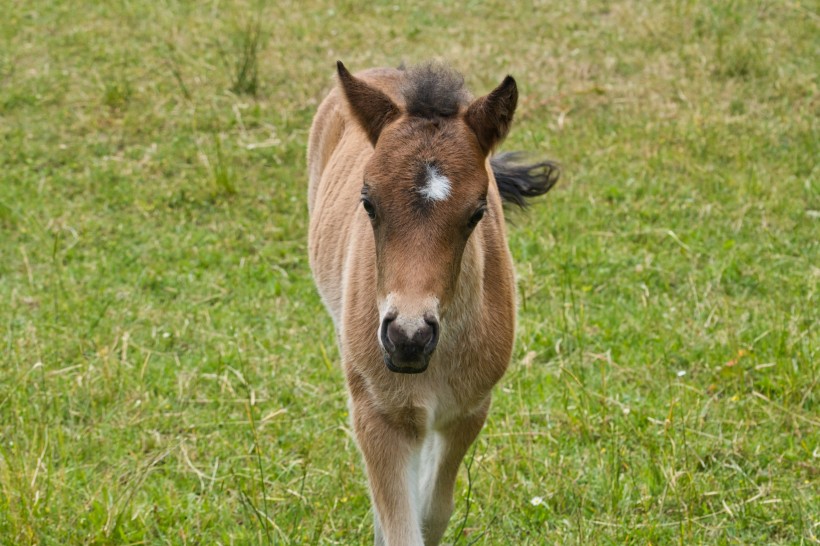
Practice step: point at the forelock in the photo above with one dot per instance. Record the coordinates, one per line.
(433, 90)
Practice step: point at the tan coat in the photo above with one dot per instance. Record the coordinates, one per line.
(421, 264)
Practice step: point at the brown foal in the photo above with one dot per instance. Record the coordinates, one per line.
(409, 252)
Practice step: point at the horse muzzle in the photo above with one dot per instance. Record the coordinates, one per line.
(408, 342)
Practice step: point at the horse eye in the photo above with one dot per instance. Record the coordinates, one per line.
(368, 208)
(477, 216)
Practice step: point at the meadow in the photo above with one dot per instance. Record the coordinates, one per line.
(168, 374)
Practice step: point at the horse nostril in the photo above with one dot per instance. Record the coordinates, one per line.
(396, 337)
(384, 333)
(424, 335)
(432, 324)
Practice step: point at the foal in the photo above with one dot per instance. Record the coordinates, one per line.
(408, 249)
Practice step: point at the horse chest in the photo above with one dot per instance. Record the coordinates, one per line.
(444, 402)
(441, 406)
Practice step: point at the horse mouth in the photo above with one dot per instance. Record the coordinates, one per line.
(416, 366)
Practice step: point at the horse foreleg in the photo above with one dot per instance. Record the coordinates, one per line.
(441, 456)
(388, 456)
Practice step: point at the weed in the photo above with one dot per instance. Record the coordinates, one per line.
(243, 62)
(221, 172)
(740, 58)
(116, 93)
(174, 65)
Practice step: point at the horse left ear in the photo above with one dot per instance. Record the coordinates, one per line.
(490, 116)
(372, 108)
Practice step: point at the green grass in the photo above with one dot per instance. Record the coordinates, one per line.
(167, 372)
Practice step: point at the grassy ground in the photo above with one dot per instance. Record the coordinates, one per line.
(167, 373)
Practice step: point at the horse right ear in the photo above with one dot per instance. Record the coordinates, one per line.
(490, 116)
(372, 108)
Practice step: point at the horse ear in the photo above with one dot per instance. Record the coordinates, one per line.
(372, 108)
(490, 116)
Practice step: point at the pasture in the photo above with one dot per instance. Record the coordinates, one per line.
(168, 374)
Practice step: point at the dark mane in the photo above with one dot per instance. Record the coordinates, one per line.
(433, 90)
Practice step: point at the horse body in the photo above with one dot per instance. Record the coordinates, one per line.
(408, 249)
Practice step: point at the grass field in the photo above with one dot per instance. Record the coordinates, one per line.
(168, 374)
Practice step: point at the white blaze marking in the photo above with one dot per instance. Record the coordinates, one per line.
(437, 187)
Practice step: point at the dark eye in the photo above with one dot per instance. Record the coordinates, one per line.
(368, 208)
(476, 217)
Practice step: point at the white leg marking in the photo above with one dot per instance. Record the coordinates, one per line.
(431, 453)
(413, 473)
